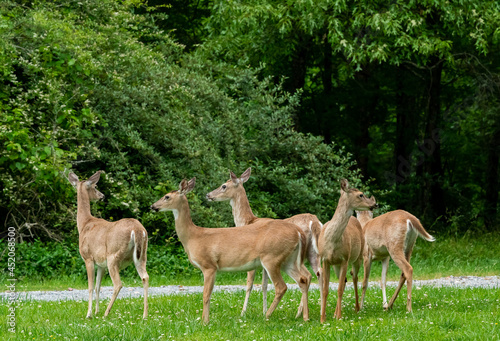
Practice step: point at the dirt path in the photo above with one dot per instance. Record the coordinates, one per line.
(491, 282)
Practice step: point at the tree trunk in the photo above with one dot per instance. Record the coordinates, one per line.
(298, 65)
(406, 126)
(431, 146)
(491, 205)
(364, 110)
(326, 77)
(406, 135)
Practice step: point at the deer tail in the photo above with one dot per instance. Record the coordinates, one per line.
(417, 226)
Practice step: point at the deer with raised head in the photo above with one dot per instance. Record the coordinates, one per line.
(103, 244)
(391, 235)
(275, 245)
(234, 191)
(341, 243)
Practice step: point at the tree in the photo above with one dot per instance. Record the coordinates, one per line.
(354, 56)
(147, 113)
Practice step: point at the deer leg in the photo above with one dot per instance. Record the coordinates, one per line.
(140, 266)
(325, 274)
(303, 278)
(265, 281)
(308, 276)
(90, 275)
(355, 270)
(409, 280)
(367, 260)
(383, 281)
(313, 258)
(407, 274)
(100, 272)
(340, 292)
(114, 273)
(250, 280)
(314, 261)
(208, 286)
(274, 271)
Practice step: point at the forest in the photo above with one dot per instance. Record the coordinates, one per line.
(399, 97)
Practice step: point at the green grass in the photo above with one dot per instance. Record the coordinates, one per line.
(438, 314)
(447, 256)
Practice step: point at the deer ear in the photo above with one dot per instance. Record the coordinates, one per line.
(233, 176)
(246, 175)
(191, 184)
(186, 186)
(344, 184)
(93, 179)
(73, 179)
(182, 186)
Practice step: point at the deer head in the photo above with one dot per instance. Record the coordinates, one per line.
(172, 200)
(356, 199)
(227, 190)
(87, 185)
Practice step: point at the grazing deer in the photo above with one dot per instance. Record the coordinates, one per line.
(103, 243)
(391, 235)
(234, 191)
(341, 243)
(275, 245)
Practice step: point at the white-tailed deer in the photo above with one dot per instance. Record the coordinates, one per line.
(103, 243)
(275, 245)
(341, 243)
(391, 235)
(234, 191)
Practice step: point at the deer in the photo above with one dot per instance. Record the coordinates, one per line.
(102, 244)
(341, 243)
(234, 192)
(275, 245)
(391, 235)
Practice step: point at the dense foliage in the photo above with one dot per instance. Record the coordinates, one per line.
(411, 88)
(303, 92)
(89, 85)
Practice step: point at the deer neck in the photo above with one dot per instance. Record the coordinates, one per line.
(242, 213)
(335, 229)
(363, 218)
(184, 226)
(83, 214)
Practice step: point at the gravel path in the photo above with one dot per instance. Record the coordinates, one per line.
(490, 282)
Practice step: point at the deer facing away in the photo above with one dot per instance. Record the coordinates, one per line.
(234, 191)
(275, 245)
(391, 235)
(102, 244)
(341, 243)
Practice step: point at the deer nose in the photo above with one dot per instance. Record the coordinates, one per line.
(374, 206)
(154, 209)
(209, 197)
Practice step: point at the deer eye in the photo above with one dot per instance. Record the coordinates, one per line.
(224, 186)
(361, 195)
(167, 197)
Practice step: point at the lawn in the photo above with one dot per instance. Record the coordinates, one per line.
(447, 256)
(438, 314)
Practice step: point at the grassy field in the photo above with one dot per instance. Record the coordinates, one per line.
(438, 314)
(447, 256)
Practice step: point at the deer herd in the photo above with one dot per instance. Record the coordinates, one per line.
(275, 245)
